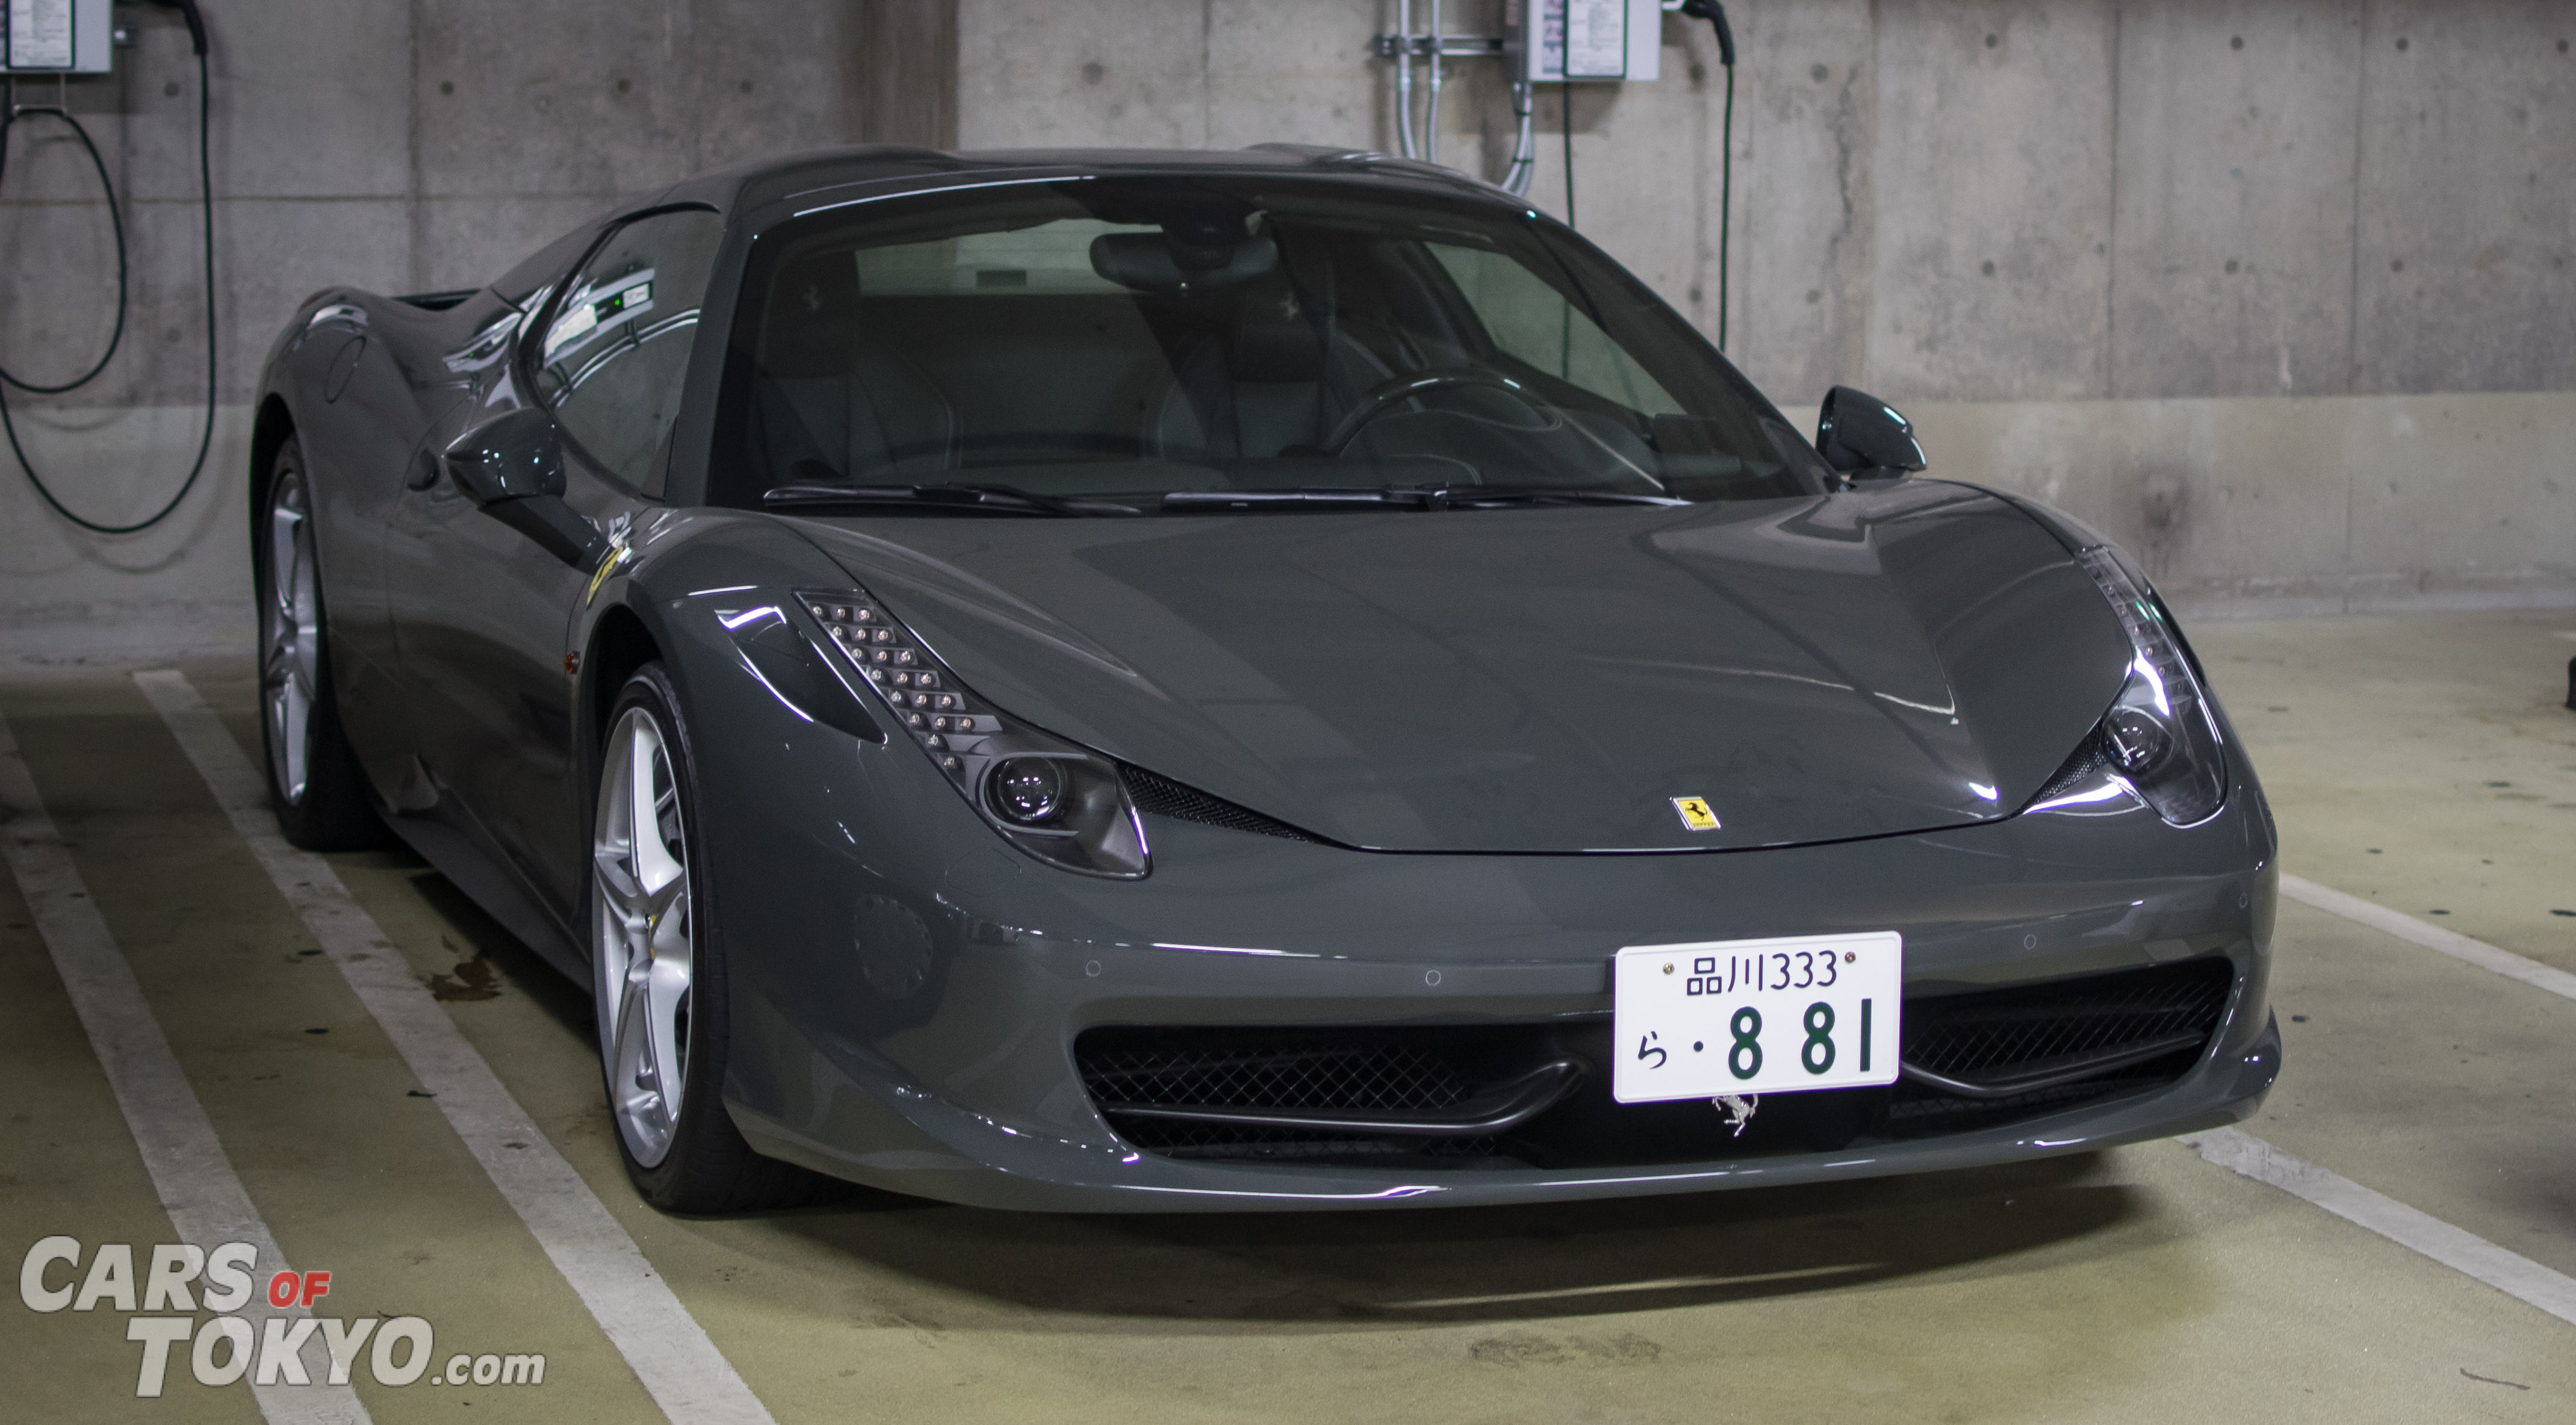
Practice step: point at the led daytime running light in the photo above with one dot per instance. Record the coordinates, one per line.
(925, 700)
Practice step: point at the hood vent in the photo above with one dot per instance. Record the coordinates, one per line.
(2087, 765)
(1158, 795)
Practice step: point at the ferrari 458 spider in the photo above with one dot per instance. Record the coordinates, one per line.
(1273, 679)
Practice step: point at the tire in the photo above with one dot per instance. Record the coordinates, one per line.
(658, 973)
(314, 782)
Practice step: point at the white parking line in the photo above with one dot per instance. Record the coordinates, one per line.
(2431, 937)
(669, 1352)
(2465, 1252)
(190, 1172)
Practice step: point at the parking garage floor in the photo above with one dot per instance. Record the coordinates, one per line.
(2422, 765)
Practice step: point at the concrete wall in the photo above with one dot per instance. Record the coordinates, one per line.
(2270, 505)
(400, 145)
(2065, 234)
(1964, 199)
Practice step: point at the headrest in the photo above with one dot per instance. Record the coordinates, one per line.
(1152, 262)
(1277, 349)
(812, 324)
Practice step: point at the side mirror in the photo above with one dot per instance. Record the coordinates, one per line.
(1864, 438)
(509, 457)
(511, 467)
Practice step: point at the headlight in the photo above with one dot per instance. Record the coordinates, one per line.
(2160, 738)
(1027, 790)
(1049, 797)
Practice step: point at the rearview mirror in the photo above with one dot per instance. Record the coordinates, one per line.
(511, 466)
(1864, 438)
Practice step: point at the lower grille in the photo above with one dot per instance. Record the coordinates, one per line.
(1995, 1031)
(1980, 1035)
(1409, 1070)
(1962, 1035)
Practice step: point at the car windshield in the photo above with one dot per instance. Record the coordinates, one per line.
(1170, 345)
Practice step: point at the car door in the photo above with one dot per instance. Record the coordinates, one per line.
(482, 613)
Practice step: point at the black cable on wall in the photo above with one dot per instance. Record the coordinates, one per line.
(1714, 11)
(9, 117)
(1565, 108)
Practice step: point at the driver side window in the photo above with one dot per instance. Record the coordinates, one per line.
(616, 354)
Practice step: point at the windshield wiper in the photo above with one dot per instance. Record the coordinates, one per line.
(1455, 497)
(993, 499)
(1408, 497)
(1309, 498)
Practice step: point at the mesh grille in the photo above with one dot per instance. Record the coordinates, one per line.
(1996, 1029)
(1349, 1070)
(1267, 1069)
(1158, 795)
(1235, 1141)
(2090, 760)
(1426, 1068)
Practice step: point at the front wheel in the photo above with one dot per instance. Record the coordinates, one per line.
(658, 973)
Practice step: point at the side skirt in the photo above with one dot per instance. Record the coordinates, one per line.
(494, 889)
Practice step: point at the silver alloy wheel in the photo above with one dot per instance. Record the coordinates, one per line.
(644, 934)
(290, 671)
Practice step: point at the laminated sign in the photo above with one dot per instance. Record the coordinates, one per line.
(39, 35)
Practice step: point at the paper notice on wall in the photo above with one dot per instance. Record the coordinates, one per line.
(1596, 39)
(40, 35)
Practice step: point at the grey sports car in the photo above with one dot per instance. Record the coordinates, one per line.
(1271, 679)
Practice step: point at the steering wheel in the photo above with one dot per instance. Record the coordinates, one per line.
(1386, 395)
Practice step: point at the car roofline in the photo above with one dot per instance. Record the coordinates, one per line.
(813, 181)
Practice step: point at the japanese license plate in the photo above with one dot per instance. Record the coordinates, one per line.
(1756, 1016)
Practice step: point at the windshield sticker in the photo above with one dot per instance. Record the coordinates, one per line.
(590, 313)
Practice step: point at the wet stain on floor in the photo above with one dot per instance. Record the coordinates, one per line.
(471, 980)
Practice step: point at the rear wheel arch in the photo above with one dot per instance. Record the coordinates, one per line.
(270, 431)
(315, 784)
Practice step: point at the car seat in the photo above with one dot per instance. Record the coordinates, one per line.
(828, 406)
(1258, 390)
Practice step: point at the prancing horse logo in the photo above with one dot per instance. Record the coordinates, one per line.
(1695, 813)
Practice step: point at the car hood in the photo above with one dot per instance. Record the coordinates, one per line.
(1536, 680)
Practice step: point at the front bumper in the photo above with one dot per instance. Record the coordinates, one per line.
(913, 1026)
(934, 1150)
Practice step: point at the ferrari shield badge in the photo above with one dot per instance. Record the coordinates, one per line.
(619, 551)
(1695, 813)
